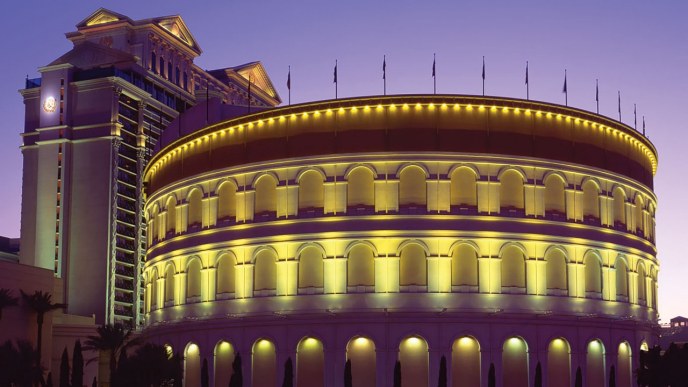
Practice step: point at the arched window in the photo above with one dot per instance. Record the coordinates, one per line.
(226, 266)
(413, 356)
(619, 206)
(463, 188)
(311, 268)
(192, 366)
(310, 190)
(464, 266)
(361, 352)
(226, 201)
(265, 276)
(171, 206)
(310, 363)
(642, 291)
(360, 188)
(154, 62)
(559, 363)
(511, 190)
(624, 370)
(266, 195)
(413, 266)
(465, 362)
(639, 214)
(153, 225)
(264, 364)
(195, 209)
(621, 280)
(593, 275)
(515, 363)
(412, 190)
(169, 284)
(556, 270)
(513, 268)
(153, 299)
(224, 357)
(193, 280)
(361, 266)
(555, 194)
(595, 375)
(591, 202)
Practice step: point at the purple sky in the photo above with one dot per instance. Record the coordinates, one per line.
(633, 46)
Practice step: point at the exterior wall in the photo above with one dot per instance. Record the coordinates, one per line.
(388, 330)
(537, 260)
(88, 227)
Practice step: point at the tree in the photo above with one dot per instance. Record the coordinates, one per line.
(348, 382)
(64, 369)
(288, 374)
(77, 365)
(491, 378)
(442, 381)
(7, 299)
(397, 374)
(150, 365)
(18, 365)
(112, 339)
(205, 379)
(538, 375)
(237, 379)
(41, 303)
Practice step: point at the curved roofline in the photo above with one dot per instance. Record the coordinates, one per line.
(400, 99)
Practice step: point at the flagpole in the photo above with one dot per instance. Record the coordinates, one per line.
(527, 83)
(619, 105)
(249, 94)
(597, 94)
(289, 84)
(434, 76)
(335, 79)
(483, 75)
(643, 125)
(635, 118)
(566, 89)
(384, 74)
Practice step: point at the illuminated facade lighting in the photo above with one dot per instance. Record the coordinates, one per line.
(379, 230)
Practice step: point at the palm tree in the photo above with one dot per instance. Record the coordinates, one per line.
(41, 303)
(6, 299)
(111, 338)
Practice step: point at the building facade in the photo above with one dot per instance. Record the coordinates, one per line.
(93, 119)
(508, 239)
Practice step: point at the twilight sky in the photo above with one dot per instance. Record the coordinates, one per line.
(637, 47)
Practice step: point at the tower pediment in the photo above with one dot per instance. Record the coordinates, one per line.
(177, 28)
(258, 77)
(102, 16)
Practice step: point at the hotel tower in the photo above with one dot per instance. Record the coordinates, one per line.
(92, 121)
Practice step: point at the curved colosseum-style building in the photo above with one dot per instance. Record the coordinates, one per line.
(512, 238)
